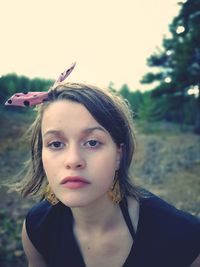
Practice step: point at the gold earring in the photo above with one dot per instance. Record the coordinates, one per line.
(50, 196)
(115, 193)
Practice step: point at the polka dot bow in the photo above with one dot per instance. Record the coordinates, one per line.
(35, 98)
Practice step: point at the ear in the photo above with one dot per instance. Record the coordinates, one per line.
(119, 156)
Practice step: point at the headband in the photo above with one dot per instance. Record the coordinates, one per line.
(34, 98)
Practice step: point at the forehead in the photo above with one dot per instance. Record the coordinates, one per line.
(67, 114)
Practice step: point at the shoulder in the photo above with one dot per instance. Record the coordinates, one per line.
(44, 211)
(161, 213)
(173, 230)
(41, 210)
(40, 215)
(41, 222)
(42, 207)
(33, 256)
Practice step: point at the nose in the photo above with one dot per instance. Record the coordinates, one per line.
(74, 158)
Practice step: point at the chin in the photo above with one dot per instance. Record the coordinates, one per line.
(75, 202)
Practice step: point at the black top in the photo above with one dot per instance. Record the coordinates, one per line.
(165, 237)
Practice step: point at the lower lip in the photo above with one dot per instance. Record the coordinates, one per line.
(75, 185)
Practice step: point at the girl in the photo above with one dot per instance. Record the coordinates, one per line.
(92, 215)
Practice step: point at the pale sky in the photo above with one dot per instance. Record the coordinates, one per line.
(110, 40)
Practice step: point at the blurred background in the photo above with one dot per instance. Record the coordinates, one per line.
(149, 52)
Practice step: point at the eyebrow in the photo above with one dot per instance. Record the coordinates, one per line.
(92, 129)
(85, 131)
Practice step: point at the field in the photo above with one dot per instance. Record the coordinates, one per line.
(166, 162)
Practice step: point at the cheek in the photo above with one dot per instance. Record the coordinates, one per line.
(47, 164)
(105, 178)
(105, 167)
(44, 159)
(49, 169)
(110, 162)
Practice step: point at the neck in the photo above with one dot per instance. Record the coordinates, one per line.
(100, 216)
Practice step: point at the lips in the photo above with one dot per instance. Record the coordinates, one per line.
(74, 179)
(74, 182)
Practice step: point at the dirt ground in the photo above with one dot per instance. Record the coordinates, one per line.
(169, 165)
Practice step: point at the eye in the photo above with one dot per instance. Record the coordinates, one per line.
(93, 143)
(56, 145)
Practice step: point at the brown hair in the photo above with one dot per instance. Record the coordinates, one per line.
(108, 109)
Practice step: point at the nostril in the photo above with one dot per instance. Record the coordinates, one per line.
(74, 163)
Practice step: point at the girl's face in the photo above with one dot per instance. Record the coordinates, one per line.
(79, 156)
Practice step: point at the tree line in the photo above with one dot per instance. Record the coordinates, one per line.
(145, 106)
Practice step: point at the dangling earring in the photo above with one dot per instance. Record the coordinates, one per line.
(115, 193)
(50, 196)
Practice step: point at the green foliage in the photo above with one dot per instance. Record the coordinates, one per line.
(156, 106)
(151, 77)
(152, 109)
(134, 98)
(189, 110)
(179, 64)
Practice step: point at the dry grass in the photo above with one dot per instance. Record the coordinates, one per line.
(168, 164)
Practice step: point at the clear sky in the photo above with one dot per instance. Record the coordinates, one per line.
(109, 39)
